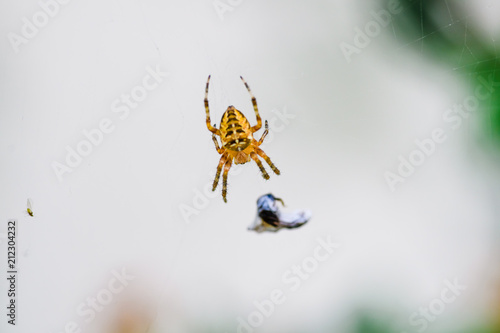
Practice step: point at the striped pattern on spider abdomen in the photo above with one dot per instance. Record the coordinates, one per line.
(235, 130)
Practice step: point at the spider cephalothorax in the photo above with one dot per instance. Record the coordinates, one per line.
(236, 136)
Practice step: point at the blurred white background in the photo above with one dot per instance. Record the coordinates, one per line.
(122, 206)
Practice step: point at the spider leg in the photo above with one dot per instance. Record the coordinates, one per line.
(227, 166)
(254, 102)
(207, 110)
(219, 169)
(219, 149)
(254, 157)
(263, 134)
(267, 159)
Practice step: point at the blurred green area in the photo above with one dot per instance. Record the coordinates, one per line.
(369, 324)
(442, 31)
(362, 321)
(366, 323)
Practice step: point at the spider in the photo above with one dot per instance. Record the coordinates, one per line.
(236, 136)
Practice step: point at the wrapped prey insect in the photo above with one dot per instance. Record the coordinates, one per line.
(271, 218)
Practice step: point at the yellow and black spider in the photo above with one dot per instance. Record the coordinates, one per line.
(236, 136)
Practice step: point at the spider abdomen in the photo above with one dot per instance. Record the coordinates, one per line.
(235, 130)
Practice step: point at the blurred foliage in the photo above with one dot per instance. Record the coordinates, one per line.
(368, 324)
(441, 30)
